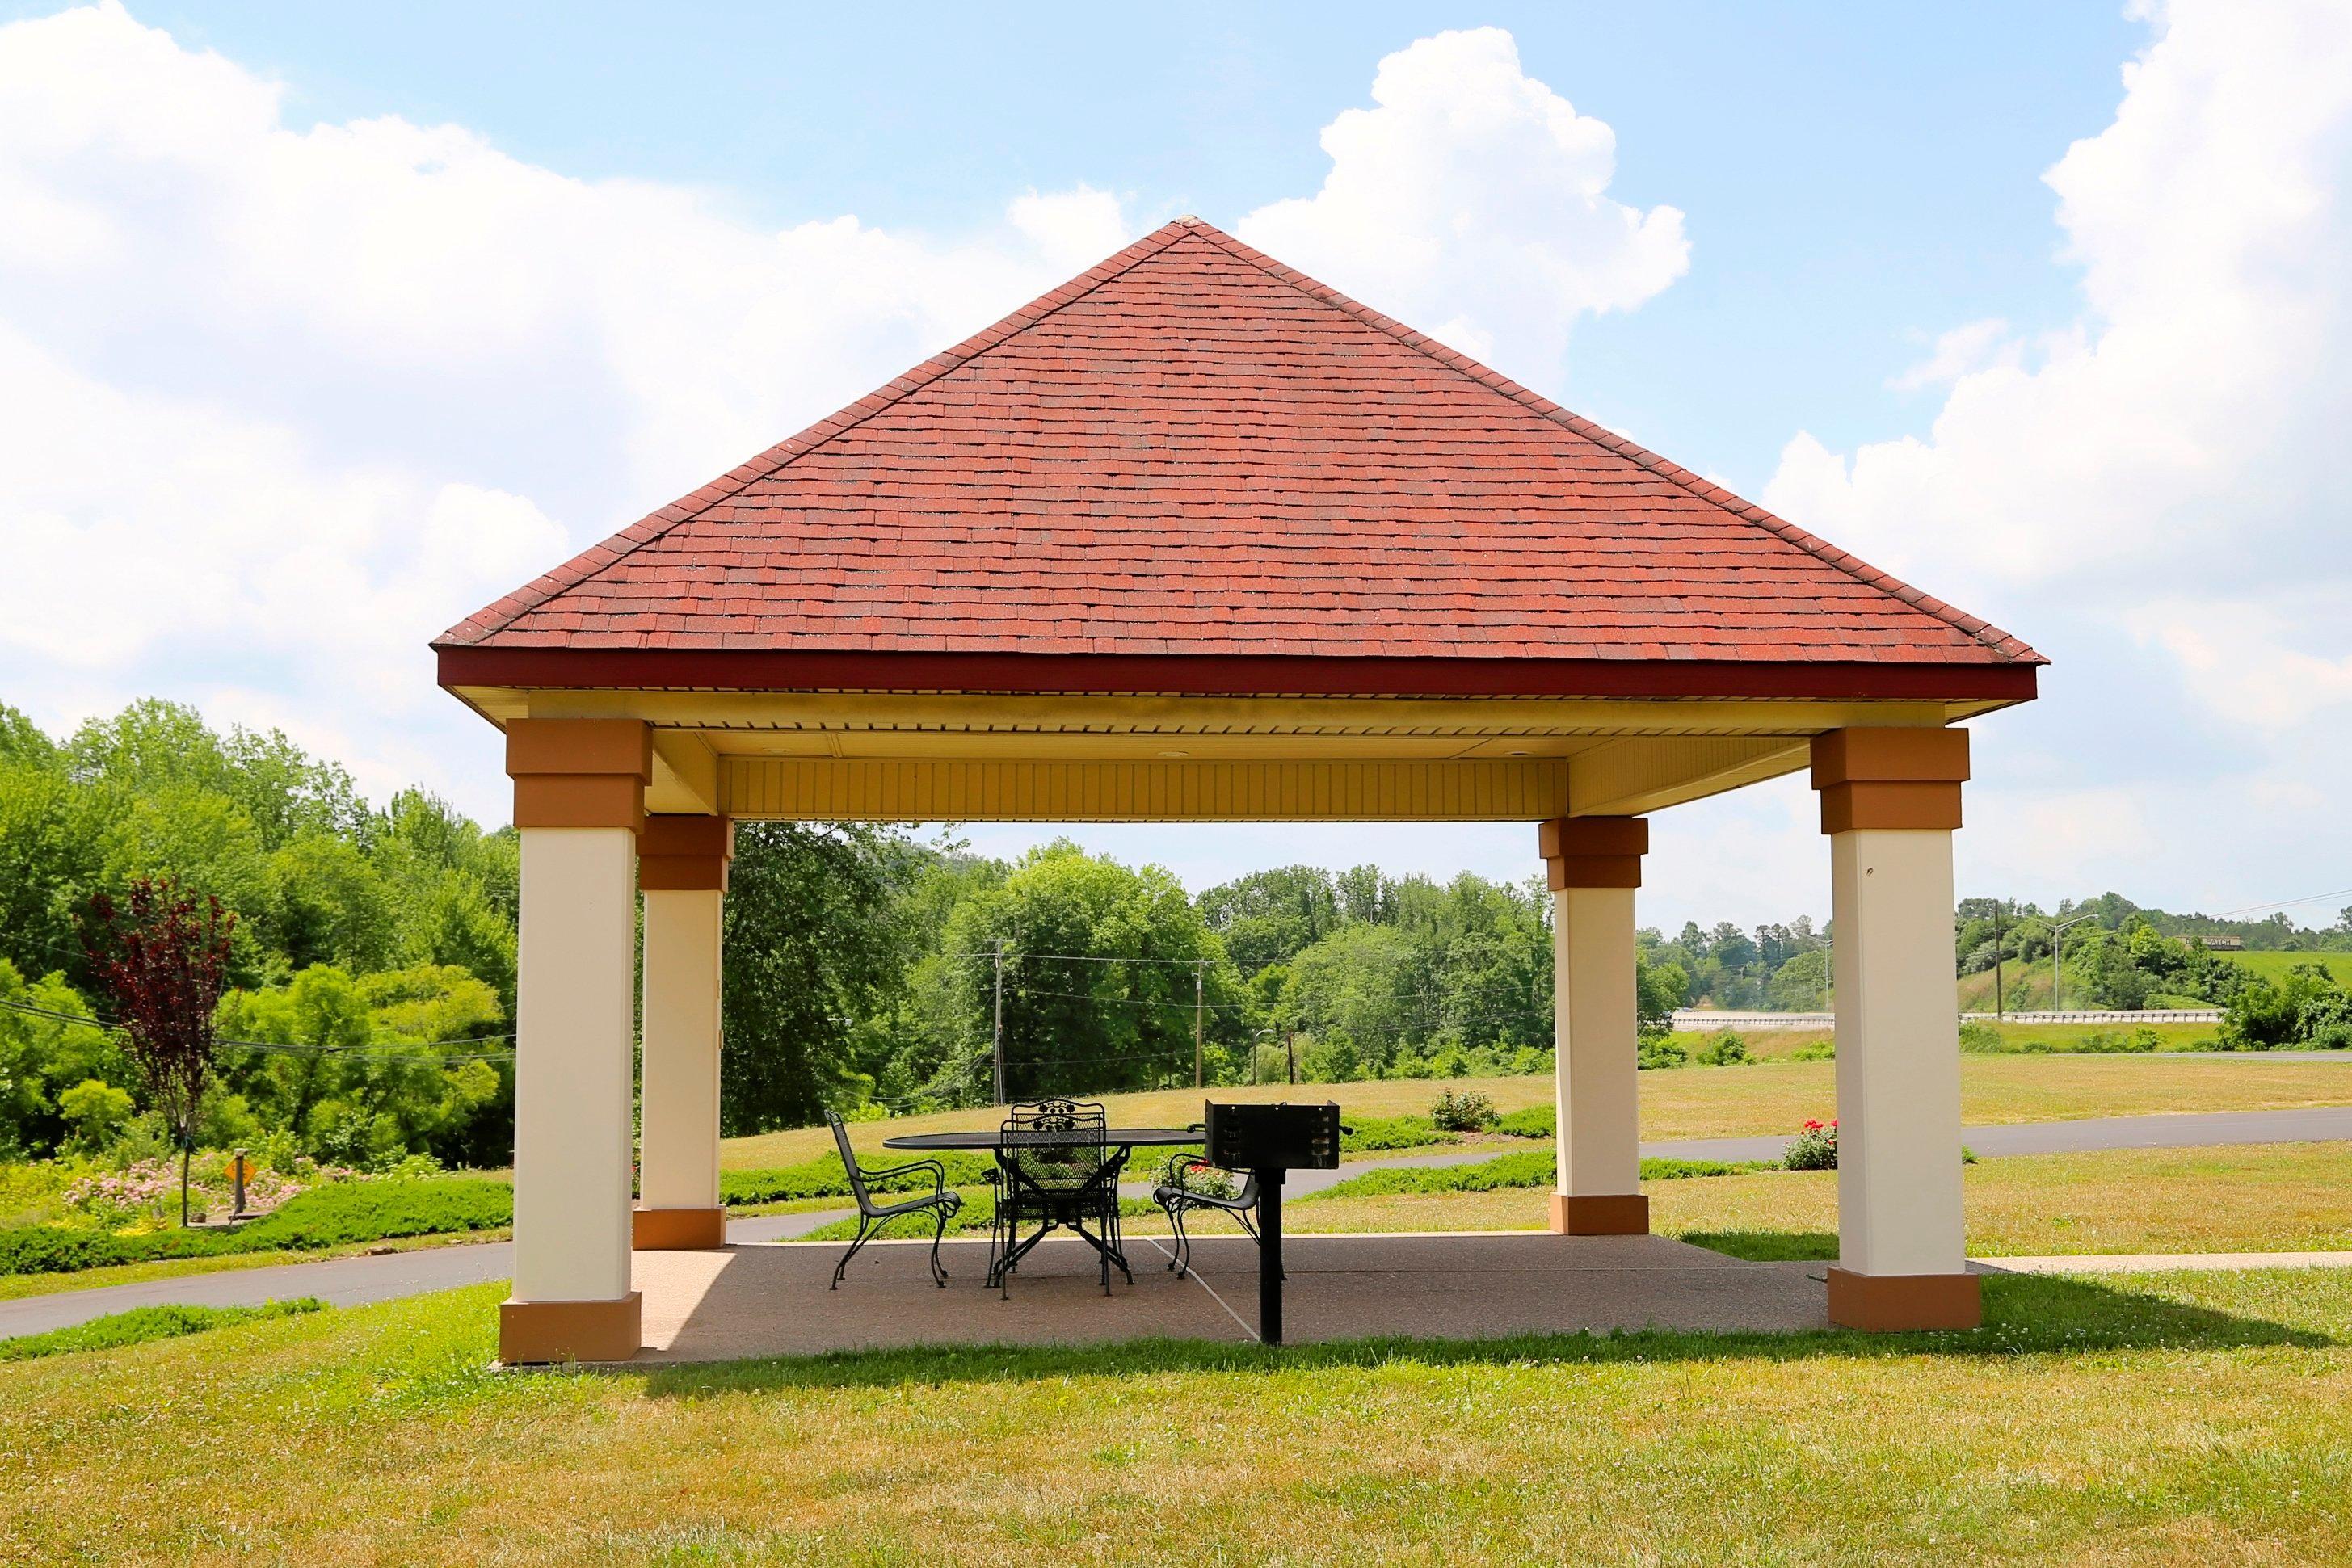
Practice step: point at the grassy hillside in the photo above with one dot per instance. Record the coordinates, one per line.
(2274, 966)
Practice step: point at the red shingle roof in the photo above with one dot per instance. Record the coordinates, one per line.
(1192, 450)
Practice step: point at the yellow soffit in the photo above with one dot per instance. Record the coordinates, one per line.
(1625, 778)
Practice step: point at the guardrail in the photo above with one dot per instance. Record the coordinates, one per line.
(1703, 1022)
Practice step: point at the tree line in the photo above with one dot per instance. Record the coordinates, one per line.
(371, 960)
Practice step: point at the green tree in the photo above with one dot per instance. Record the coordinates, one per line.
(817, 943)
(1268, 917)
(1099, 978)
(42, 1057)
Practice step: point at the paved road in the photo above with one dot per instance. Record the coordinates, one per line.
(338, 1282)
(353, 1281)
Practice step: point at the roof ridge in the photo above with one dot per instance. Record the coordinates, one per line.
(495, 617)
(1976, 627)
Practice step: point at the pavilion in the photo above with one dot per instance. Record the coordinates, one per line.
(1194, 538)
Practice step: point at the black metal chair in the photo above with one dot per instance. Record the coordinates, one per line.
(1182, 1189)
(872, 1215)
(1055, 1167)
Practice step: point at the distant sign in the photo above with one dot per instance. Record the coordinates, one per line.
(239, 1169)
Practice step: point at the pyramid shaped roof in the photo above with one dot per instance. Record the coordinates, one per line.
(1192, 468)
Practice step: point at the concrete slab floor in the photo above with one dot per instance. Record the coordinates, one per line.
(767, 1299)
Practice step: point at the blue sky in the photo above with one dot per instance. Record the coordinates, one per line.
(320, 326)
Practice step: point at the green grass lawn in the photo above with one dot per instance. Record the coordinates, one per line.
(2274, 966)
(2173, 1418)
(2269, 1198)
(1769, 1096)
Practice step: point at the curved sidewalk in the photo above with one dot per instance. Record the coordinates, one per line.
(355, 1282)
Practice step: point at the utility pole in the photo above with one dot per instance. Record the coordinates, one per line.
(1290, 1048)
(1200, 968)
(1000, 1020)
(1997, 1009)
(2058, 930)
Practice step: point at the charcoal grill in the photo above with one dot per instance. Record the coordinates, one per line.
(1267, 1140)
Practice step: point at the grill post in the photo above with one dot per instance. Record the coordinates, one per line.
(1269, 1255)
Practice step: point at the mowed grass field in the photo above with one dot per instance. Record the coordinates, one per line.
(1772, 1096)
(2274, 966)
(2265, 1197)
(2165, 1419)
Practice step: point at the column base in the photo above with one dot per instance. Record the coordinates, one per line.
(1600, 1214)
(538, 1332)
(676, 1229)
(1887, 1302)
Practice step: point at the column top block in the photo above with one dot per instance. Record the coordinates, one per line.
(1579, 836)
(580, 746)
(667, 833)
(1890, 756)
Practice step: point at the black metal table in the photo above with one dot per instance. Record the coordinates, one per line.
(1125, 1141)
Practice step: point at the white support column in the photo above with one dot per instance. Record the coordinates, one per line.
(1594, 865)
(1890, 802)
(682, 868)
(578, 792)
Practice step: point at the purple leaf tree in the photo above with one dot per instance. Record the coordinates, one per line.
(160, 955)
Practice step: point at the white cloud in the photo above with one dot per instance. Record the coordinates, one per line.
(276, 406)
(1472, 202)
(1957, 352)
(2157, 494)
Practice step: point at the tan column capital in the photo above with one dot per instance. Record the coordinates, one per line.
(1593, 851)
(580, 772)
(1890, 778)
(684, 854)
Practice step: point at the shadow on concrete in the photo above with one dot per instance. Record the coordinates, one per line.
(2024, 1314)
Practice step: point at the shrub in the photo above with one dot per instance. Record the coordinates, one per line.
(1524, 1169)
(95, 1113)
(824, 1177)
(1463, 1110)
(140, 1325)
(1814, 1148)
(1367, 1133)
(1725, 1048)
(1979, 1038)
(1535, 1122)
(333, 1216)
(1660, 1050)
(1815, 1050)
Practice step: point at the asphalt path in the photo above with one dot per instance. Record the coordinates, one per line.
(355, 1282)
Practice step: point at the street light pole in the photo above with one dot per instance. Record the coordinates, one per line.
(2058, 930)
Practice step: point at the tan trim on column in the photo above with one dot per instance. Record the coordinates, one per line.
(684, 854)
(580, 772)
(676, 1229)
(1604, 1214)
(1887, 1303)
(537, 1332)
(1871, 778)
(1593, 851)
(1917, 755)
(1888, 803)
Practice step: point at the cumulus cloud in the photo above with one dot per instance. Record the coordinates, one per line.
(280, 402)
(2155, 494)
(2186, 422)
(1472, 201)
(1957, 352)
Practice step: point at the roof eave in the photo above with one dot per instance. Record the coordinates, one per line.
(626, 669)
